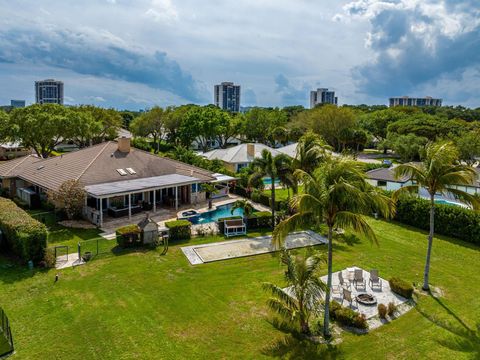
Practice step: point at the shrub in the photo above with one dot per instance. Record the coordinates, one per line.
(261, 219)
(179, 229)
(401, 287)
(347, 316)
(382, 311)
(391, 309)
(128, 236)
(264, 199)
(25, 236)
(70, 197)
(450, 220)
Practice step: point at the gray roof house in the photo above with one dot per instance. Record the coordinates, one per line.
(118, 179)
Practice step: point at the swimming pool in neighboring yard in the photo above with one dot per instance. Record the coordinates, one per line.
(448, 202)
(268, 182)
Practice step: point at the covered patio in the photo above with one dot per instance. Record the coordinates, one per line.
(126, 198)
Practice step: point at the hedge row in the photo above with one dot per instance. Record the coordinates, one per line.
(450, 220)
(25, 236)
(258, 220)
(179, 229)
(259, 197)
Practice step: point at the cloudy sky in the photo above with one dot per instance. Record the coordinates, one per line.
(137, 53)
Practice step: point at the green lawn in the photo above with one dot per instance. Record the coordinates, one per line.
(282, 194)
(147, 306)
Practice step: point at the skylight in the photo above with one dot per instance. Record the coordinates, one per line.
(122, 172)
(131, 171)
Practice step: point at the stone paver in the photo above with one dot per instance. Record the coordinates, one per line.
(69, 260)
(230, 249)
(383, 296)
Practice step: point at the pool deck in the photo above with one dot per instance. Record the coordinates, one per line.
(231, 249)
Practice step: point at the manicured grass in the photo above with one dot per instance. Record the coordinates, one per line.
(141, 304)
(282, 194)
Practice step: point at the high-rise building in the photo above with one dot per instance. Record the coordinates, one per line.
(408, 101)
(17, 103)
(49, 92)
(227, 96)
(322, 96)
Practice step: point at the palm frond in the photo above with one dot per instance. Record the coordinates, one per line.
(357, 223)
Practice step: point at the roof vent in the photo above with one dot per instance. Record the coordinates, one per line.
(122, 172)
(131, 171)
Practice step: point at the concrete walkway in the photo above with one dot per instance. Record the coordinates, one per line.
(66, 261)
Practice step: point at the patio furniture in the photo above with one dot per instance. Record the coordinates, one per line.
(358, 279)
(350, 274)
(347, 295)
(342, 284)
(234, 227)
(116, 212)
(375, 279)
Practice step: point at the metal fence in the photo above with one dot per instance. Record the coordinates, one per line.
(6, 338)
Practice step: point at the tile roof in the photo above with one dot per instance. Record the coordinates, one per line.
(385, 174)
(290, 150)
(12, 168)
(98, 164)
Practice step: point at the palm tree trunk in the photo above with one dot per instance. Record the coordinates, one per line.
(273, 201)
(326, 318)
(430, 243)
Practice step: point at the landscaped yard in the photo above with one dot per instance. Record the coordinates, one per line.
(144, 305)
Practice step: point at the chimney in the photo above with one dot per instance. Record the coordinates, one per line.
(251, 150)
(124, 144)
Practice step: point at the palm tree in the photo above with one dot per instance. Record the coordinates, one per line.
(270, 166)
(210, 189)
(437, 174)
(245, 206)
(336, 194)
(298, 301)
(311, 151)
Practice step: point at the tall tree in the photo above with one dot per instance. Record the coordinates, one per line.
(468, 146)
(269, 166)
(300, 299)
(151, 124)
(40, 127)
(336, 194)
(439, 171)
(4, 124)
(110, 121)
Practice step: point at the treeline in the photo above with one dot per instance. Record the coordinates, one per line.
(405, 130)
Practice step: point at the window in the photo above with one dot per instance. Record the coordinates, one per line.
(381, 183)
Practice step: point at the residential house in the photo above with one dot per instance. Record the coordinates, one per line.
(118, 179)
(237, 157)
(12, 150)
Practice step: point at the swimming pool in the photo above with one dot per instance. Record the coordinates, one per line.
(268, 181)
(218, 213)
(446, 202)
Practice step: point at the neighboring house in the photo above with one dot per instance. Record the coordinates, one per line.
(289, 150)
(12, 150)
(240, 156)
(385, 179)
(214, 144)
(118, 180)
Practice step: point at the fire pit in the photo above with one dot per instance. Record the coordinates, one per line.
(366, 299)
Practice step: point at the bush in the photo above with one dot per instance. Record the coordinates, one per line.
(260, 220)
(382, 311)
(128, 236)
(401, 287)
(25, 236)
(391, 309)
(450, 220)
(264, 199)
(347, 316)
(179, 229)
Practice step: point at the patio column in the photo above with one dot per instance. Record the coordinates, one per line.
(129, 206)
(101, 212)
(154, 201)
(176, 197)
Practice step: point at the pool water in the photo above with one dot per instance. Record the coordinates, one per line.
(446, 202)
(221, 211)
(268, 181)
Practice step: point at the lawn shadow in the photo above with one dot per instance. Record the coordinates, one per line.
(465, 339)
(11, 270)
(297, 348)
